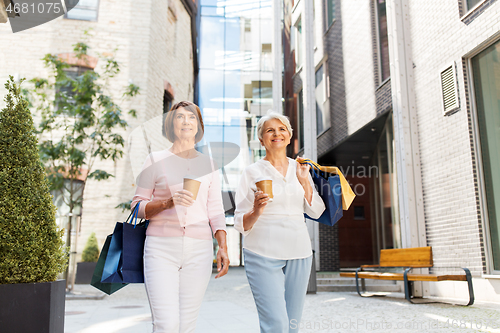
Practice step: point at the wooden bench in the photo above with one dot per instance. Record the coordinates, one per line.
(418, 257)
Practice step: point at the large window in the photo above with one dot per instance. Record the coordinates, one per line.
(383, 40)
(387, 232)
(486, 72)
(85, 10)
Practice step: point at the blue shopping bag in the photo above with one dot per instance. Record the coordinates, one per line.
(330, 191)
(124, 262)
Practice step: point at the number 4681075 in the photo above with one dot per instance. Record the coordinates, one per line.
(40, 8)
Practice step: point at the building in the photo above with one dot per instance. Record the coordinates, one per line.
(412, 103)
(155, 45)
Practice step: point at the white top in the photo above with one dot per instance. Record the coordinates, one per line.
(280, 232)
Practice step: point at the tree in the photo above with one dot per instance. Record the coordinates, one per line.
(91, 251)
(31, 248)
(80, 123)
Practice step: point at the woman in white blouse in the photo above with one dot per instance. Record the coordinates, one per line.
(277, 248)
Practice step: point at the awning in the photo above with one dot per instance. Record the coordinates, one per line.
(358, 148)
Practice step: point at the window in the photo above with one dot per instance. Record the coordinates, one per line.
(167, 101)
(85, 10)
(300, 118)
(65, 94)
(298, 50)
(383, 40)
(322, 112)
(471, 3)
(486, 73)
(330, 12)
(267, 58)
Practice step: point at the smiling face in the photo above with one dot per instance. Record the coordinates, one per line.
(275, 135)
(185, 124)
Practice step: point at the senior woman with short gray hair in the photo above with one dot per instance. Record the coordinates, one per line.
(277, 248)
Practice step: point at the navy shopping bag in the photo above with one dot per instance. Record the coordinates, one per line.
(330, 191)
(124, 263)
(108, 288)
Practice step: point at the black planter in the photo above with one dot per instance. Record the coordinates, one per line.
(32, 307)
(84, 272)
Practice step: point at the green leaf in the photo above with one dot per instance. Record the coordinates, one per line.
(99, 175)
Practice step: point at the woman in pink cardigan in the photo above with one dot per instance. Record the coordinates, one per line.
(178, 249)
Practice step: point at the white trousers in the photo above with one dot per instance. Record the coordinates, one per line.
(176, 273)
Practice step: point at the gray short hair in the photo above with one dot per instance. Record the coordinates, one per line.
(273, 115)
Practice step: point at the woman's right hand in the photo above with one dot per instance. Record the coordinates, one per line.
(260, 202)
(183, 198)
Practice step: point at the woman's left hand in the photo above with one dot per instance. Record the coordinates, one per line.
(222, 257)
(302, 170)
(222, 262)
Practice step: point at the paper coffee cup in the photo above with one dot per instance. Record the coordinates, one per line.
(192, 185)
(266, 186)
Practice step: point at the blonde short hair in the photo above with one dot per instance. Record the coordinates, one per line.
(273, 115)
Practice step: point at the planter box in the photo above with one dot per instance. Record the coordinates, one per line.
(33, 307)
(84, 272)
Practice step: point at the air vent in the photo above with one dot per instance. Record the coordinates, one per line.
(449, 90)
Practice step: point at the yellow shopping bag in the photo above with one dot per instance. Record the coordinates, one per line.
(347, 193)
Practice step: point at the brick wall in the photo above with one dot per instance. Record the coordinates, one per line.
(152, 45)
(447, 157)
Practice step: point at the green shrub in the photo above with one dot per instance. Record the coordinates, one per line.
(31, 246)
(91, 251)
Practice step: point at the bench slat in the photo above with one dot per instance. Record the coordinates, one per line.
(400, 277)
(409, 257)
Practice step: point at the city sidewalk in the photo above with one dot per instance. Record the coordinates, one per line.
(228, 307)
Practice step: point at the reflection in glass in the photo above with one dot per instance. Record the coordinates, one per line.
(235, 84)
(486, 71)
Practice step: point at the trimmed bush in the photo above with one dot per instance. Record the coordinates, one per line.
(91, 251)
(31, 246)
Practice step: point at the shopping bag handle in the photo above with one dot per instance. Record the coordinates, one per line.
(134, 214)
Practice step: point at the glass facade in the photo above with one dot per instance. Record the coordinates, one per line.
(486, 72)
(235, 85)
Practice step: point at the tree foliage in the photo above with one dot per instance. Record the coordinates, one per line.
(80, 121)
(91, 251)
(31, 246)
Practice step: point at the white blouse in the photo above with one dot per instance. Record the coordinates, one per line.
(280, 232)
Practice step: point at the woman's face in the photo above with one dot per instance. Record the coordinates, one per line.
(185, 124)
(275, 135)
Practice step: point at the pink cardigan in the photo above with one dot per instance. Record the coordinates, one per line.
(161, 176)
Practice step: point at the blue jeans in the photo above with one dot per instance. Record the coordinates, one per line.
(279, 289)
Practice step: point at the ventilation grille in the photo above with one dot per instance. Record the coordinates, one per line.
(449, 90)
